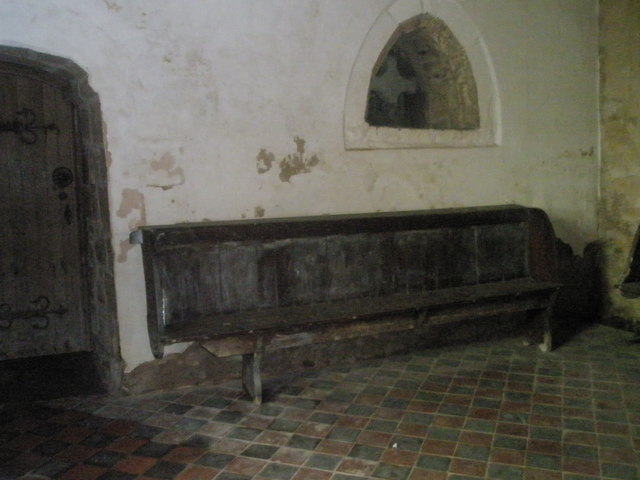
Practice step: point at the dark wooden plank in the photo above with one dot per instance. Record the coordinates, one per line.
(461, 254)
(242, 284)
(419, 256)
(542, 255)
(212, 326)
(165, 236)
(188, 282)
(502, 252)
(302, 274)
(12, 288)
(245, 343)
(354, 266)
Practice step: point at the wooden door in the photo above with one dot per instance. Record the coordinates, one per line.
(41, 268)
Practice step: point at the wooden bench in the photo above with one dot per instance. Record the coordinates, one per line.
(250, 287)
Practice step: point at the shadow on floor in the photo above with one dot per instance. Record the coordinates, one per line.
(48, 377)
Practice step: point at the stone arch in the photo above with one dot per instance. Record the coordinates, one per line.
(462, 108)
(96, 229)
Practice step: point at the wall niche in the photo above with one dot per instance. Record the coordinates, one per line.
(423, 78)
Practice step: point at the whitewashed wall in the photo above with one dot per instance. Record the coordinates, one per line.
(196, 94)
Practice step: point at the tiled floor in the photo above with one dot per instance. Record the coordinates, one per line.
(492, 410)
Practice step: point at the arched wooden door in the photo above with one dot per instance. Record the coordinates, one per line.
(42, 277)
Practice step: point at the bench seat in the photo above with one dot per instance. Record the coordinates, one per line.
(524, 291)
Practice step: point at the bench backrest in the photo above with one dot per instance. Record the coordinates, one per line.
(193, 270)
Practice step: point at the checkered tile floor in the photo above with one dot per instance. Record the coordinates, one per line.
(493, 410)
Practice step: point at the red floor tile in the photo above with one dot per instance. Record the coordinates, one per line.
(399, 457)
(77, 453)
(419, 474)
(245, 466)
(135, 465)
(507, 456)
(476, 438)
(311, 474)
(468, 467)
(355, 466)
(581, 466)
(83, 472)
(196, 472)
(515, 429)
(126, 444)
(439, 447)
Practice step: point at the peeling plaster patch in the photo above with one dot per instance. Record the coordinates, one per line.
(166, 167)
(581, 153)
(293, 164)
(259, 212)
(264, 161)
(297, 163)
(132, 200)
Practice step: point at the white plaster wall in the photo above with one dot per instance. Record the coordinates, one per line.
(193, 90)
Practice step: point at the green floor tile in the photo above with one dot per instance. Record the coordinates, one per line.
(303, 442)
(366, 452)
(343, 434)
(472, 452)
(402, 442)
(618, 471)
(580, 451)
(515, 443)
(434, 462)
(441, 433)
(393, 472)
(579, 424)
(284, 425)
(547, 462)
(484, 426)
(504, 472)
(323, 462)
(385, 426)
(260, 451)
(278, 471)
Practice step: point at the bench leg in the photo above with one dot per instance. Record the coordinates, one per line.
(251, 380)
(540, 321)
(547, 341)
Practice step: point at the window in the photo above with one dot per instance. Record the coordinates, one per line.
(423, 79)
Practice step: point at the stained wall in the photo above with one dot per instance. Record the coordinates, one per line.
(230, 109)
(619, 208)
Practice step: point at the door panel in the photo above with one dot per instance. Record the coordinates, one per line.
(41, 276)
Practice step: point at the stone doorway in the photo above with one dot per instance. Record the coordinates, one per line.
(95, 235)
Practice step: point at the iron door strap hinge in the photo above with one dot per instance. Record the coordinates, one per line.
(39, 315)
(23, 126)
